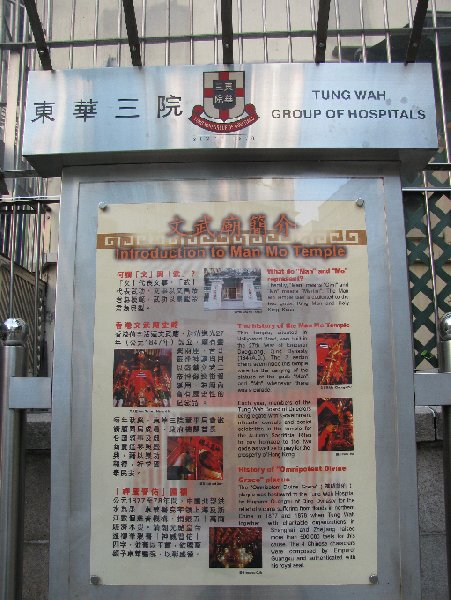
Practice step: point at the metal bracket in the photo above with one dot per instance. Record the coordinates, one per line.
(417, 28)
(132, 32)
(227, 32)
(432, 389)
(30, 392)
(38, 33)
(322, 27)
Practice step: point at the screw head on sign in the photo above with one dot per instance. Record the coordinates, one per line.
(374, 578)
(103, 205)
(95, 579)
(360, 202)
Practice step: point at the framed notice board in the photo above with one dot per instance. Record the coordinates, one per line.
(233, 373)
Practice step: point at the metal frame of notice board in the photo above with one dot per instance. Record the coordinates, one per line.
(378, 186)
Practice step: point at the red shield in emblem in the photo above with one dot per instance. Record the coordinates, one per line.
(224, 101)
(224, 94)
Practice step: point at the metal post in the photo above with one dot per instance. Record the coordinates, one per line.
(37, 264)
(444, 354)
(12, 257)
(12, 364)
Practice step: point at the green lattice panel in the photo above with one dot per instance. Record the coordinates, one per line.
(421, 290)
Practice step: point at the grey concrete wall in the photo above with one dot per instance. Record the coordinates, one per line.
(430, 498)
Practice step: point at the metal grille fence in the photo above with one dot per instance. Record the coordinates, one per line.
(92, 33)
(427, 301)
(23, 242)
(24, 306)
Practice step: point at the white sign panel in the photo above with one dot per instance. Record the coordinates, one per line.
(232, 409)
(77, 117)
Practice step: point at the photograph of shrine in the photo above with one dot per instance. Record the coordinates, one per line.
(142, 378)
(232, 289)
(335, 424)
(333, 359)
(235, 548)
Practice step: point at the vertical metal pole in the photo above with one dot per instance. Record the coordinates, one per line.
(119, 32)
(432, 261)
(37, 263)
(143, 30)
(265, 37)
(21, 93)
(2, 18)
(362, 25)
(72, 34)
(12, 363)
(49, 19)
(216, 26)
(387, 31)
(313, 24)
(444, 355)
(290, 39)
(16, 25)
(12, 257)
(191, 33)
(96, 33)
(167, 58)
(441, 86)
(240, 31)
(337, 19)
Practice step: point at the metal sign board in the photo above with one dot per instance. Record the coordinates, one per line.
(231, 374)
(111, 115)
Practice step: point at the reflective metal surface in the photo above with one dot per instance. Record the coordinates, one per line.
(398, 554)
(14, 332)
(12, 363)
(432, 388)
(444, 353)
(445, 328)
(30, 393)
(372, 107)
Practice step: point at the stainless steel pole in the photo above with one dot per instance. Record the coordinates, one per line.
(444, 355)
(12, 258)
(12, 364)
(37, 264)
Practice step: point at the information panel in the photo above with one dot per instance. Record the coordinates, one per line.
(232, 410)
